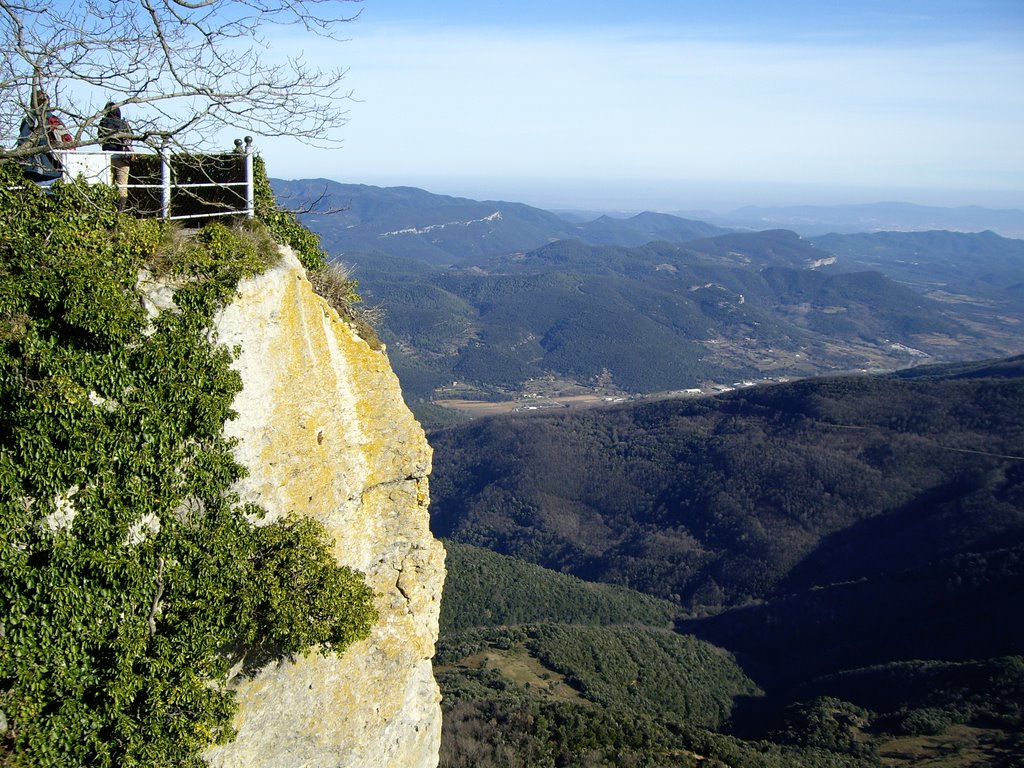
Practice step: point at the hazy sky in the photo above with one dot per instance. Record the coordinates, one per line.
(681, 105)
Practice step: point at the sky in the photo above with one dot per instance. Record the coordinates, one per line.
(677, 105)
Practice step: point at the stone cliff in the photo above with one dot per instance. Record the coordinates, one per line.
(323, 432)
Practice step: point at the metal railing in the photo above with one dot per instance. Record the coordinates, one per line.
(175, 187)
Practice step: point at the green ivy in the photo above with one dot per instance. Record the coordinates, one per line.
(131, 579)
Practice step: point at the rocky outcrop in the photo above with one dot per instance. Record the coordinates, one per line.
(324, 432)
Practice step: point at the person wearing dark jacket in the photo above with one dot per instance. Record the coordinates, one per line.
(42, 128)
(115, 135)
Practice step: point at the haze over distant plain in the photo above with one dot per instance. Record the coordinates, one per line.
(679, 105)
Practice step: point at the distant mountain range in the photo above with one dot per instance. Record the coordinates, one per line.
(442, 230)
(500, 301)
(832, 567)
(810, 220)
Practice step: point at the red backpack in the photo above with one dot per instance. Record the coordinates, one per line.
(58, 135)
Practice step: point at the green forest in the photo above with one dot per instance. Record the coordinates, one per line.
(655, 317)
(848, 551)
(606, 689)
(715, 502)
(493, 295)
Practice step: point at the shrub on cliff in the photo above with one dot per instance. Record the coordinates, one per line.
(131, 579)
(331, 280)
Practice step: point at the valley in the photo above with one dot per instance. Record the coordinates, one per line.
(845, 550)
(711, 497)
(653, 303)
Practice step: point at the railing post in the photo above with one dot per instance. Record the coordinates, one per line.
(165, 182)
(250, 182)
(65, 174)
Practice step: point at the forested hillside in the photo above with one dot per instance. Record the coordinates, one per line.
(571, 674)
(718, 501)
(856, 544)
(659, 317)
(598, 687)
(440, 230)
(811, 528)
(493, 590)
(483, 299)
(947, 265)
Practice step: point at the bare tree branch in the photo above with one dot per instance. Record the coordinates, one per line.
(180, 70)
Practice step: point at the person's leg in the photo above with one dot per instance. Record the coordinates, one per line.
(120, 168)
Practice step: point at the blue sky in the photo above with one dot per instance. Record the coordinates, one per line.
(680, 105)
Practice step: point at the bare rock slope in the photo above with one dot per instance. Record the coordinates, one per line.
(324, 432)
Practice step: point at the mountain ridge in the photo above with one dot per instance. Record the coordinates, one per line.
(355, 217)
(483, 299)
(813, 220)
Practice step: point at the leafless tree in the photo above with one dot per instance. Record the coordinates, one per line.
(181, 70)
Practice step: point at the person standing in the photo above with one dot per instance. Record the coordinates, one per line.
(42, 128)
(115, 134)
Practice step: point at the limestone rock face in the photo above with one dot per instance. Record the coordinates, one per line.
(324, 432)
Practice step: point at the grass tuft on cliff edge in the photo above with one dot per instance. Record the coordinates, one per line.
(331, 280)
(130, 578)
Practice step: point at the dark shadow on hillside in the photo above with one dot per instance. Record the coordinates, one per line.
(970, 606)
(975, 513)
(940, 578)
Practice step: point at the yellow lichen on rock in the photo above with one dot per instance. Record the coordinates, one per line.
(324, 432)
